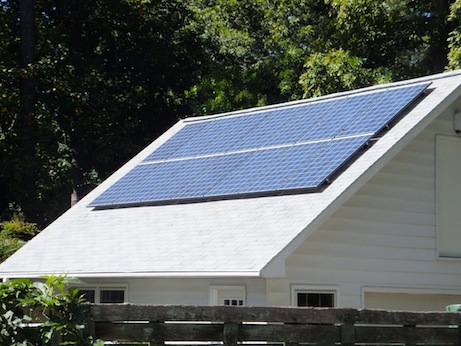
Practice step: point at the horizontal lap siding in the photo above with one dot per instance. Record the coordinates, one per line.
(384, 236)
(180, 291)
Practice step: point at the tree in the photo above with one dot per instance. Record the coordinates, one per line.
(380, 41)
(256, 50)
(454, 55)
(338, 70)
(268, 51)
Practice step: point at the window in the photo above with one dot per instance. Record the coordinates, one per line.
(448, 192)
(89, 295)
(104, 295)
(313, 296)
(227, 295)
(111, 296)
(316, 299)
(232, 302)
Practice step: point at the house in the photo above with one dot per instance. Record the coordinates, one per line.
(348, 200)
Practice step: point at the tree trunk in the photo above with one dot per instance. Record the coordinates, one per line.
(27, 131)
(439, 44)
(26, 59)
(76, 20)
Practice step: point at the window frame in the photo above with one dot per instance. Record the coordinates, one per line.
(314, 289)
(104, 287)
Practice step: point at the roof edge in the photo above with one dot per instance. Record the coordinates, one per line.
(160, 274)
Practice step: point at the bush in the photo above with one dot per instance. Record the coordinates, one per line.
(43, 313)
(14, 234)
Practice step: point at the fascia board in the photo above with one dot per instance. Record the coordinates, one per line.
(166, 275)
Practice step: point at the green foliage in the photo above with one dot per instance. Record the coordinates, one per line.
(338, 71)
(454, 55)
(19, 228)
(9, 246)
(14, 234)
(391, 34)
(255, 51)
(42, 313)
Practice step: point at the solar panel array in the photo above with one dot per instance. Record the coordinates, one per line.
(295, 147)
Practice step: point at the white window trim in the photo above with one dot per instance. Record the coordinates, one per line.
(101, 287)
(215, 290)
(309, 288)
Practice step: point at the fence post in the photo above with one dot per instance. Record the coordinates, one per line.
(56, 340)
(158, 333)
(230, 333)
(90, 329)
(407, 328)
(347, 335)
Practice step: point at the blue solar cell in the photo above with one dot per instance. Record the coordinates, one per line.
(318, 123)
(353, 107)
(181, 138)
(256, 161)
(326, 161)
(126, 188)
(140, 183)
(262, 133)
(299, 122)
(290, 160)
(216, 172)
(172, 184)
(356, 114)
(383, 109)
(220, 135)
(156, 181)
(292, 147)
(245, 127)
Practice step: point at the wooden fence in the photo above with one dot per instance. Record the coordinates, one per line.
(192, 325)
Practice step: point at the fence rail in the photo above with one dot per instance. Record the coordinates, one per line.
(188, 325)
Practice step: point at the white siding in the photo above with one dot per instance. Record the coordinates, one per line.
(187, 291)
(384, 237)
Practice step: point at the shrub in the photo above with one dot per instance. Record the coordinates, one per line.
(43, 313)
(14, 234)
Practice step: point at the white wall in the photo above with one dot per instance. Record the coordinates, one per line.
(383, 238)
(186, 291)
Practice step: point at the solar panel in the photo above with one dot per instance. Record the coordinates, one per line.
(293, 147)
